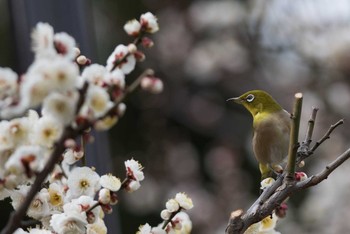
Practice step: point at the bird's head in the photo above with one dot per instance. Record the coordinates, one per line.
(257, 101)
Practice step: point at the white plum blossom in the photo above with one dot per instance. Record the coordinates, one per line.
(71, 222)
(172, 205)
(110, 182)
(267, 182)
(106, 123)
(47, 131)
(98, 101)
(98, 227)
(134, 175)
(149, 22)
(31, 155)
(44, 77)
(119, 53)
(116, 77)
(18, 195)
(18, 130)
(134, 169)
(182, 222)
(6, 141)
(83, 181)
(132, 27)
(60, 107)
(65, 45)
(265, 226)
(8, 82)
(71, 156)
(56, 195)
(64, 74)
(147, 229)
(184, 201)
(39, 207)
(95, 74)
(104, 196)
(83, 204)
(42, 40)
(34, 89)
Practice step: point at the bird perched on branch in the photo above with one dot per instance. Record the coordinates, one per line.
(271, 124)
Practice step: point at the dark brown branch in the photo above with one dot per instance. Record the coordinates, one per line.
(294, 133)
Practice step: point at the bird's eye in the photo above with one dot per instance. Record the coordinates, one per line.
(250, 98)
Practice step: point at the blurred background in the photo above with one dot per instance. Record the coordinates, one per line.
(189, 139)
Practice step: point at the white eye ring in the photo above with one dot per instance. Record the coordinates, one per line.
(250, 98)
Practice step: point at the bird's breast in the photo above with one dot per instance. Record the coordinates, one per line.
(271, 137)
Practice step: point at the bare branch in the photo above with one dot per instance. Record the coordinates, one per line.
(240, 221)
(304, 148)
(316, 179)
(327, 135)
(294, 133)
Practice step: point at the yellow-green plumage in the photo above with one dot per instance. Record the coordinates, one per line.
(271, 126)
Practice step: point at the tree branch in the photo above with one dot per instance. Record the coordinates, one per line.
(304, 147)
(294, 133)
(327, 135)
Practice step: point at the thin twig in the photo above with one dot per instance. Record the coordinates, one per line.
(327, 135)
(294, 133)
(316, 179)
(93, 207)
(310, 129)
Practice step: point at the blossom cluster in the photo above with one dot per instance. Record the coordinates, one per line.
(175, 219)
(72, 95)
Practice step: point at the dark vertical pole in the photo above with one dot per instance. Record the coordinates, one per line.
(75, 18)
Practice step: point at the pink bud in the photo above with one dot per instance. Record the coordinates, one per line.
(147, 42)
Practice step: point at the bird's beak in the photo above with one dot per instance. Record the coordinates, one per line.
(235, 99)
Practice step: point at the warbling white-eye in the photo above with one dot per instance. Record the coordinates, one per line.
(271, 124)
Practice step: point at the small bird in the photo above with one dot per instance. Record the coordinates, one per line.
(271, 124)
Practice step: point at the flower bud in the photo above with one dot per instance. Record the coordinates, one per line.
(172, 205)
(121, 109)
(104, 196)
(152, 84)
(139, 56)
(76, 51)
(147, 42)
(132, 27)
(82, 60)
(281, 211)
(300, 176)
(132, 48)
(165, 214)
(267, 182)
